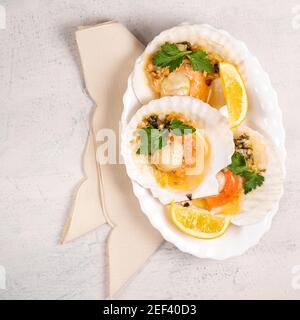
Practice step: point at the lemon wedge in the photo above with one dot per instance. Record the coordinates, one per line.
(199, 223)
(235, 93)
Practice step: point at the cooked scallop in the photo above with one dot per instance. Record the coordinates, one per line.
(151, 81)
(264, 158)
(189, 143)
(170, 157)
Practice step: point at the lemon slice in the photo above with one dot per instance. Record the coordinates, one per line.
(235, 93)
(199, 223)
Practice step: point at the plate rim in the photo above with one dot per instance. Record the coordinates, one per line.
(263, 225)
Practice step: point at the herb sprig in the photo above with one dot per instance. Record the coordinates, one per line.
(179, 128)
(170, 56)
(153, 139)
(252, 179)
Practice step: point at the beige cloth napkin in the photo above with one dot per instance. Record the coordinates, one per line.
(107, 53)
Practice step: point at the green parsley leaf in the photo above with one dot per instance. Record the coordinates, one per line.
(179, 128)
(152, 140)
(200, 61)
(252, 179)
(238, 163)
(170, 49)
(169, 56)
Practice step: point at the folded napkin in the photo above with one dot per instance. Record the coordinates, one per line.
(107, 53)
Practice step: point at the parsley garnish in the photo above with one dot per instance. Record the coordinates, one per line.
(179, 128)
(238, 163)
(200, 61)
(155, 139)
(170, 56)
(252, 179)
(152, 140)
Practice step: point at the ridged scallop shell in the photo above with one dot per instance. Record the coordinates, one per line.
(263, 200)
(202, 35)
(216, 129)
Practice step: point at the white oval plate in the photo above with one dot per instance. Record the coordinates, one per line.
(264, 116)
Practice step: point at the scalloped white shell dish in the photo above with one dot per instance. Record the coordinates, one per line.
(216, 129)
(264, 116)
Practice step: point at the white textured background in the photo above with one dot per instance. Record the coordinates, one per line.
(44, 118)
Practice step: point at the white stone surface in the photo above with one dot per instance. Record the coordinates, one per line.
(44, 118)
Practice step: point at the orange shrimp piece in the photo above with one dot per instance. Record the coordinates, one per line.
(198, 86)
